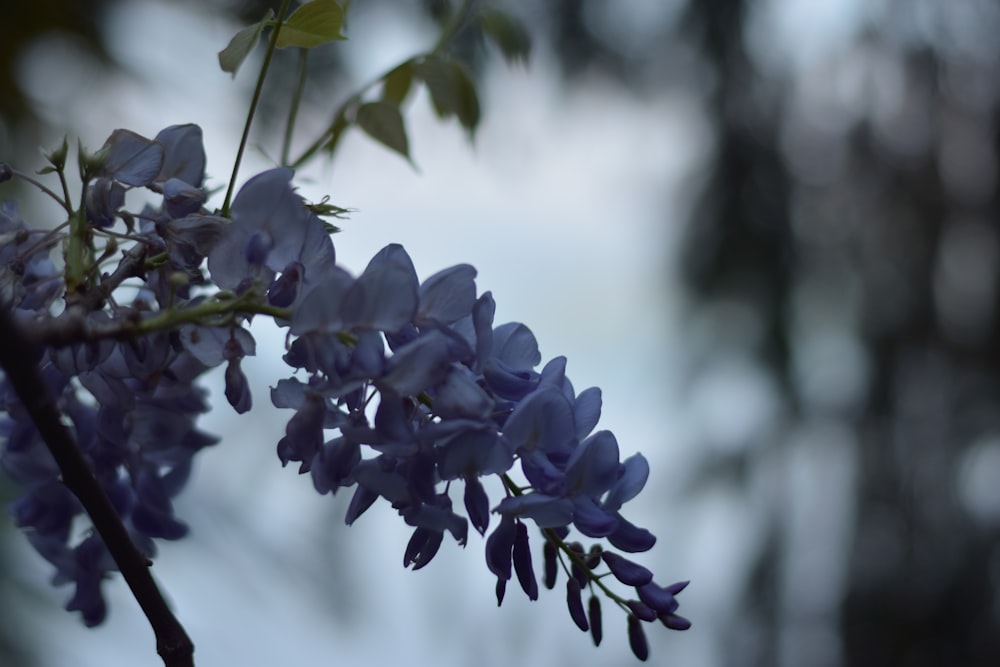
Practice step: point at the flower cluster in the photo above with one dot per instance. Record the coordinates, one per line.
(132, 403)
(401, 387)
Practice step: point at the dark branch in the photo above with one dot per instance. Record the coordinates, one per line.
(19, 359)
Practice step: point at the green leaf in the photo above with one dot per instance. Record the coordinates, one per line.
(508, 33)
(383, 122)
(397, 83)
(242, 43)
(324, 208)
(313, 23)
(451, 88)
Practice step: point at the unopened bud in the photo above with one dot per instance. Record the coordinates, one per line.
(179, 279)
(57, 157)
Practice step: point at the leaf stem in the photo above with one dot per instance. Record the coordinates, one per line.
(272, 44)
(64, 203)
(74, 327)
(455, 23)
(79, 249)
(293, 111)
(574, 557)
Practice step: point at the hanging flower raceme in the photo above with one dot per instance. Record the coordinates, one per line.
(403, 390)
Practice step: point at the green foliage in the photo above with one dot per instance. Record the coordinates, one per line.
(313, 23)
(242, 43)
(451, 88)
(383, 122)
(509, 34)
(397, 83)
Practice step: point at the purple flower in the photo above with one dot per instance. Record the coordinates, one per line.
(131, 159)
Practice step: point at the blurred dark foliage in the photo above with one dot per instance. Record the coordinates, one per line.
(890, 206)
(26, 22)
(888, 203)
(899, 206)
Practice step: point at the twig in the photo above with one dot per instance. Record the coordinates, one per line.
(18, 357)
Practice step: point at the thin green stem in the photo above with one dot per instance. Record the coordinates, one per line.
(293, 111)
(64, 202)
(455, 23)
(79, 249)
(218, 311)
(65, 186)
(222, 310)
(272, 44)
(579, 560)
(574, 557)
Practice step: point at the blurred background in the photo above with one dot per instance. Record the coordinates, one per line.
(768, 230)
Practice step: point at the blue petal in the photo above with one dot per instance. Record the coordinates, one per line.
(447, 296)
(575, 603)
(422, 547)
(180, 198)
(227, 260)
(554, 375)
(628, 486)
(507, 383)
(237, 387)
(392, 421)
(419, 365)
(183, 154)
(499, 546)
(290, 393)
(335, 464)
(267, 204)
(543, 475)
(477, 504)
(587, 411)
(516, 347)
(460, 396)
(546, 511)
(384, 297)
(473, 452)
(625, 571)
(482, 321)
(104, 197)
(594, 466)
(198, 231)
(387, 483)
(304, 432)
(283, 292)
(206, 344)
(543, 421)
(438, 517)
(656, 597)
(132, 159)
(320, 307)
(362, 499)
(591, 520)
(318, 255)
(522, 562)
(630, 538)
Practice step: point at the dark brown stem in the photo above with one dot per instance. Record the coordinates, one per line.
(19, 359)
